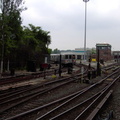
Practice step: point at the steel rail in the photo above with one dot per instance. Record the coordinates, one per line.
(38, 108)
(94, 112)
(30, 96)
(56, 108)
(100, 105)
(76, 106)
(12, 94)
(46, 105)
(41, 85)
(58, 117)
(92, 115)
(51, 103)
(82, 115)
(21, 78)
(66, 102)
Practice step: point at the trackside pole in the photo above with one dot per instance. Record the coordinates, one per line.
(82, 71)
(98, 64)
(60, 67)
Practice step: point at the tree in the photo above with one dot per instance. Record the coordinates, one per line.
(18, 43)
(10, 32)
(56, 51)
(35, 43)
(93, 51)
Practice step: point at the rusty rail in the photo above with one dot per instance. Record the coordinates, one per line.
(75, 95)
(96, 110)
(93, 114)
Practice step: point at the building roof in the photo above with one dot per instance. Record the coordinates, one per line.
(103, 44)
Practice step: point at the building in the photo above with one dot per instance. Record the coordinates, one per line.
(104, 51)
(116, 55)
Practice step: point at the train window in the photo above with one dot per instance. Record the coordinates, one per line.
(73, 57)
(98, 47)
(66, 56)
(78, 56)
(70, 56)
(105, 53)
(103, 48)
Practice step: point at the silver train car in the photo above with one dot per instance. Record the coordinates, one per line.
(66, 59)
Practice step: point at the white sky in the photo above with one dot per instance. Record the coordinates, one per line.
(65, 21)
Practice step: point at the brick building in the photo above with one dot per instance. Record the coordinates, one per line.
(116, 55)
(104, 51)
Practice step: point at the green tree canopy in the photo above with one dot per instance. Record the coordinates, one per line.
(18, 43)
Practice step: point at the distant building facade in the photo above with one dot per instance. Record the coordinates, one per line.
(116, 55)
(104, 51)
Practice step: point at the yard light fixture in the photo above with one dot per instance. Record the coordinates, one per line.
(85, 28)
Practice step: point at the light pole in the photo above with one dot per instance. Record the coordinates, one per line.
(85, 27)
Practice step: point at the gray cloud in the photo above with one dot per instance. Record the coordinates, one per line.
(65, 20)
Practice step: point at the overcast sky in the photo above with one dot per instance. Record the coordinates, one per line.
(65, 20)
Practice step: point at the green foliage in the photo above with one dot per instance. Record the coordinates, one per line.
(93, 51)
(56, 51)
(36, 39)
(21, 43)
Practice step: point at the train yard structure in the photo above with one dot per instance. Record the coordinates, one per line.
(116, 55)
(80, 84)
(105, 52)
(57, 94)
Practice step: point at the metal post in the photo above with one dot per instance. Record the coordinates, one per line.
(44, 74)
(60, 67)
(117, 57)
(85, 28)
(89, 69)
(98, 64)
(89, 66)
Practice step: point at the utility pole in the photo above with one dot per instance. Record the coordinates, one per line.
(85, 28)
(2, 54)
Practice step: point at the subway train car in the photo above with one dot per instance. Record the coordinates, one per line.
(66, 59)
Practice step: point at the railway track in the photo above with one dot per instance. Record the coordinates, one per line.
(26, 94)
(9, 100)
(21, 78)
(65, 103)
(24, 77)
